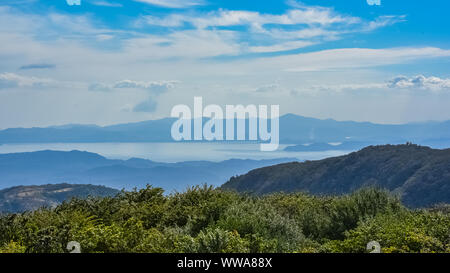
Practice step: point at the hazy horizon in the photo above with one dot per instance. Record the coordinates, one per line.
(168, 117)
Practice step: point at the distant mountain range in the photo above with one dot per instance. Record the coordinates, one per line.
(26, 198)
(293, 130)
(420, 175)
(50, 167)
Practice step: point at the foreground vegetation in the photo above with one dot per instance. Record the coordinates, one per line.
(204, 219)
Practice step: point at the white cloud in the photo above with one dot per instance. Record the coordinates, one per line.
(99, 87)
(348, 58)
(268, 88)
(11, 80)
(420, 82)
(104, 37)
(64, 31)
(126, 108)
(306, 33)
(153, 87)
(308, 25)
(400, 82)
(149, 105)
(172, 3)
(256, 20)
(280, 47)
(70, 25)
(383, 21)
(374, 2)
(349, 87)
(73, 2)
(107, 4)
(187, 44)
(52, 27)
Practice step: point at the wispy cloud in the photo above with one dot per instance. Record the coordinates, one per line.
(383, 21)
(280, 47)
(186, 44)
(12, 80)
(172, 3)
(73, 2)
(106, 4)
(420, 82)
(222, 18)
(267, 88)
(153, 90)
(296, 28)
(101, 87)
(153, 87)
(348, 58)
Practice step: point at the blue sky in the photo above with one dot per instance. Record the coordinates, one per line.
(111, 61)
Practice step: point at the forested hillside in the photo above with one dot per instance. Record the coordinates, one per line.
(420, 175)
(26, 198)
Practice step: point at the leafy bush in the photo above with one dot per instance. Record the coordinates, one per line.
(221, 241)
(13, 247)
(407, 232)
(351, 209)
(260, 222)
(207, 220)
(197, 207)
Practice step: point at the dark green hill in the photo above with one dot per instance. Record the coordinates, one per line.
(25, 198)
(420, 175)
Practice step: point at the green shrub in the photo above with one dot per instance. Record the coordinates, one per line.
(208, 220)
(221, 241)
(349, 210)
(197, 207)
(13, 247)
(409, 232)
(255, 217)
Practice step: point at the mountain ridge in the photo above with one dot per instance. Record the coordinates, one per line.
(77, 167)
(420, 175)
(294, 129)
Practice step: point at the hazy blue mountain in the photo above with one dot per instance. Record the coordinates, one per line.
(297, 129)
(420, 175)
(147, 131)
(293, 130)
(75, 167)
(26, 198)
